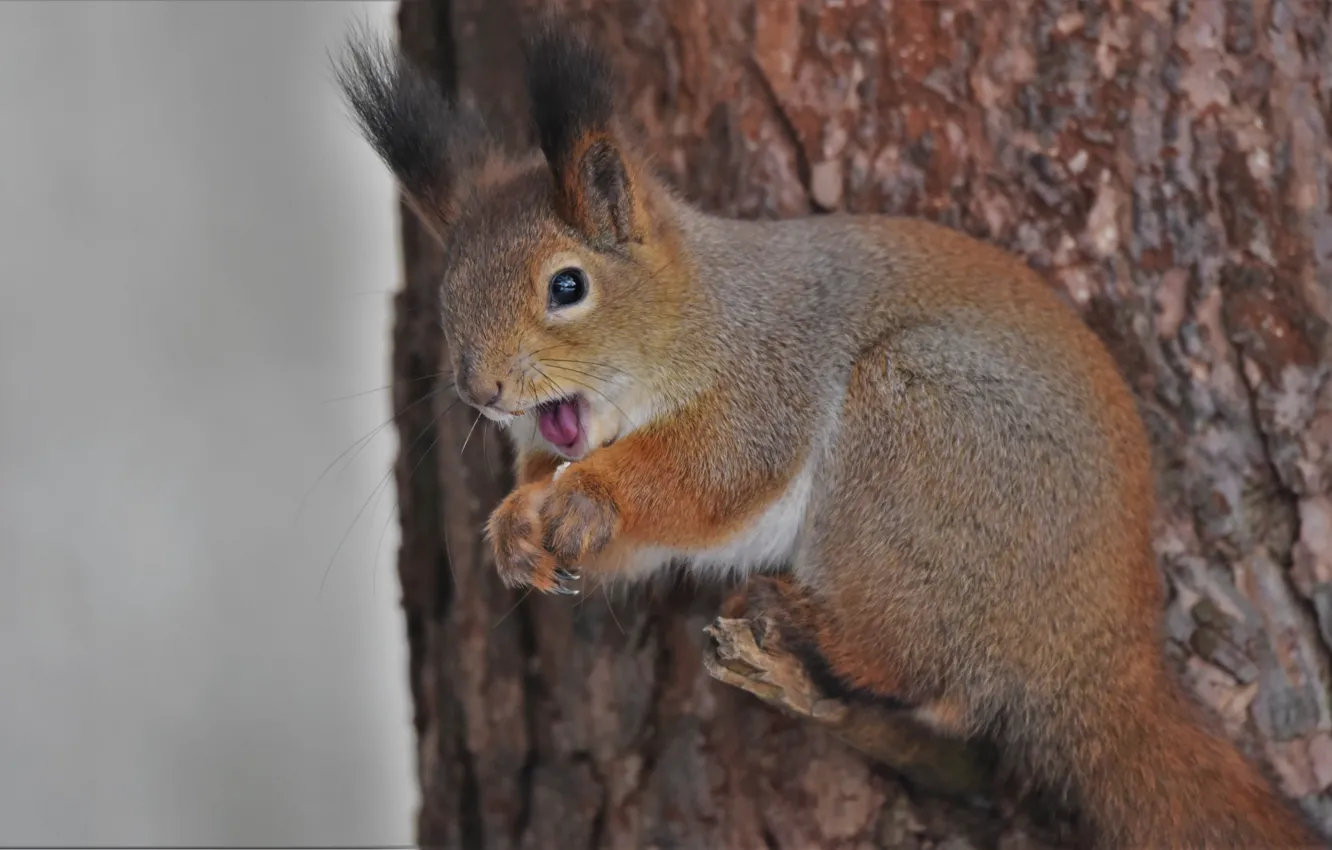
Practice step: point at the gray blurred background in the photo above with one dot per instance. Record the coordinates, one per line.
(196, 254)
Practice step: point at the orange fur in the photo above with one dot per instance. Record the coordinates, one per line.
(662, 492)
(536, 467)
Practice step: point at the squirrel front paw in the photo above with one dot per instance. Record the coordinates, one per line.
(542, 533)
(515, 531)
(579, 517)
(775, 606)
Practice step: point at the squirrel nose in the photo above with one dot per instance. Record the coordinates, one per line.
(476, 386)
(483, 392)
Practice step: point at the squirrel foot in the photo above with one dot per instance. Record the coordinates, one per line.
(751, 649)
(748, 655)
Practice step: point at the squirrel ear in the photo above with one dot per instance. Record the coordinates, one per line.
(426, 139)
(570, 86)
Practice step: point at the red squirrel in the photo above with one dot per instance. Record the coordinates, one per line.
(934, 461)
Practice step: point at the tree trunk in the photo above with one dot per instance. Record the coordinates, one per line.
(1167, 165)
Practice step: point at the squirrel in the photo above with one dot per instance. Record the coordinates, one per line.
(928, 467)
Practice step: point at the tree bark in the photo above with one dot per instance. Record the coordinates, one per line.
(1167, 165)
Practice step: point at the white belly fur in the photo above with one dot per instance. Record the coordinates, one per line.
(769, 540)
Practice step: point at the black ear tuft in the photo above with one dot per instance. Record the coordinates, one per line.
(571, 87)
(570, 84)
(421, 135)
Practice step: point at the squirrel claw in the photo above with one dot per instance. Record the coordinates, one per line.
(561, 576)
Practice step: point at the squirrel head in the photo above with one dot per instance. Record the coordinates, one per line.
(560, 274)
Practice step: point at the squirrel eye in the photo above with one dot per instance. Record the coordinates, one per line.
(567, 286)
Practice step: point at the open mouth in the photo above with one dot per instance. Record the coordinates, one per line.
(561, 423)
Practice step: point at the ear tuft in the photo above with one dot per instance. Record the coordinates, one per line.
(426, 139)
(570, 85)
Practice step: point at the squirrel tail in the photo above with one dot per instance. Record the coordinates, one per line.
(1145, 771)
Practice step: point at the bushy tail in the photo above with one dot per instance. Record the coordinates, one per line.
(1145, 771)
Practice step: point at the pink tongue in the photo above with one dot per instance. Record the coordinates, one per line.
(559, 424)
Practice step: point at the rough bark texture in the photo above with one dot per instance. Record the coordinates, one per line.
(1166, 164)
